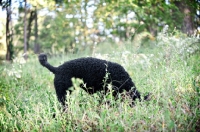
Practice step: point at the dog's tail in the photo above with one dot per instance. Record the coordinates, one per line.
(43, 61)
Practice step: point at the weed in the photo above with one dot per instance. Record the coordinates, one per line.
(167, 71)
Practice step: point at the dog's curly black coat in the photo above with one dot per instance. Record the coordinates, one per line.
(92, 71)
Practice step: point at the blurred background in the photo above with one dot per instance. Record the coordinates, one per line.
(63, 26)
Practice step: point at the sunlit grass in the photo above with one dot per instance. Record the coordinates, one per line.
(28, 100)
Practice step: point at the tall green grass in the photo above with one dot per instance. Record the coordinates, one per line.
(168, 72)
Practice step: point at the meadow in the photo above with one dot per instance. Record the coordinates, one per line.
(168, 68)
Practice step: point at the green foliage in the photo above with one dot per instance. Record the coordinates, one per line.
(75, 25)
(127, 18)
(30, 101)
(53, 40)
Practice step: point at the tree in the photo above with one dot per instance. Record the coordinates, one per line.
(36, 44)
(25, 31)
(28, 26)
(33, 18)
(126, 18)
(9, 33)
(188, 8)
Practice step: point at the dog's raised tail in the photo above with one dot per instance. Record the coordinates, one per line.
(43, 61)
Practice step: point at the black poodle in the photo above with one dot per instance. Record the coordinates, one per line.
(93, 72)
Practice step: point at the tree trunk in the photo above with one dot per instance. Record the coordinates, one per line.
(25, 34)
(188, 25)
(36, 45)
(31, 18)
(9, 46)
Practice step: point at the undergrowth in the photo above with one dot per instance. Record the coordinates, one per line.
(167, 71)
